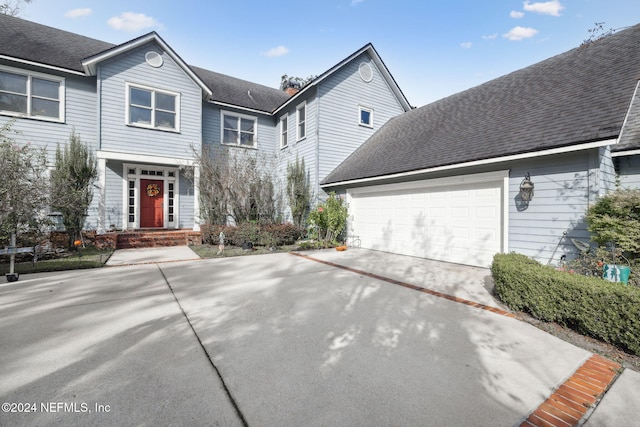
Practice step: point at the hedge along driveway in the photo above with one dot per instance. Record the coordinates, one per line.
(592, 306)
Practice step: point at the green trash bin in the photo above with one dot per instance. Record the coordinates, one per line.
(616, 273)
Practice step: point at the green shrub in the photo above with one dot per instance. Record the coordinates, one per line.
(260, 235)
(590, 305)
(615, 218)
(329, 218)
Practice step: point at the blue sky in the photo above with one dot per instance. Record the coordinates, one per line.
(432, 48)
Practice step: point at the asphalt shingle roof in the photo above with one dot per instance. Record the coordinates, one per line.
(41, 44)
(579, 96)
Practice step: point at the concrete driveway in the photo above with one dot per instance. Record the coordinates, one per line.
(278, 340)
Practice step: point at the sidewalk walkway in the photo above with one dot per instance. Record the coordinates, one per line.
(151, 255)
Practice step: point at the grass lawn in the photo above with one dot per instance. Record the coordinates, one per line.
(83, 258)
(211, 251)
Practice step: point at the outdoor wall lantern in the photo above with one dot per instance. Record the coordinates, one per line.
(526, 189)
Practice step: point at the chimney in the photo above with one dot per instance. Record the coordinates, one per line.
(292, 87)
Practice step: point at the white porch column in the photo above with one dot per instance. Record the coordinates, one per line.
(196, 198)
(102, 185)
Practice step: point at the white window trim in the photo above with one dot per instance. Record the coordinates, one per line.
(29, 75)
(240, 116)
(370, 111)
(153, 107)
(284, 131)
(298, 122)
(137, 176)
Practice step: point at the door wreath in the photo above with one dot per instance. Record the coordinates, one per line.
(153, 190)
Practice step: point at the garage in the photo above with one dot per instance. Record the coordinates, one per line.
(457, 219)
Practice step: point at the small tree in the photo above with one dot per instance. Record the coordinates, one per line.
(298, 191)
(24, 187)
(237, 183)
(615, 218)
(72, 184)
(330, 218)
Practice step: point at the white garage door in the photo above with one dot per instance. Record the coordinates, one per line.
(459, 223)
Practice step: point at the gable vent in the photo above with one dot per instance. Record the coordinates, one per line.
(154, 59)
(366, 73)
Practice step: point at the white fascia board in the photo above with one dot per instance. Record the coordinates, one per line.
(38, 64)
(626, 117)
(90, 64)
(625, 153)
(145, 158)
(549, 152)
(238, 107)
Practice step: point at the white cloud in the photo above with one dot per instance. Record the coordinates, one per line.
(466, 45)
(520, 33)
(355, 2)
(129, 21)
(552, 7)
(276, 51)
(515, 14)
(76, 13)
(490, 37)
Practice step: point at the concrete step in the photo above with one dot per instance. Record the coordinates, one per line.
(150, 239)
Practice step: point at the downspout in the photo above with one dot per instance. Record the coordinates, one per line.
(317, 145)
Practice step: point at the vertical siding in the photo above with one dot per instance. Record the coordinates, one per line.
(340, 95)
(629, 170)
(564, 184)
(132, 68)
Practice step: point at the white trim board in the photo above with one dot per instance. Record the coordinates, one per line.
(494, 160)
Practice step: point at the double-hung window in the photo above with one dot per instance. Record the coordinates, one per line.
(153, 108)
(31, 95)
(284, 131)
(301, 118)
(240, 130)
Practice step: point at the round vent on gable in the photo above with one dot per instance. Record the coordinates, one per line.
(366, 73)
(154, 59)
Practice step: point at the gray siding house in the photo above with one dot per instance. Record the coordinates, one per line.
(147, 114)
(443, 181)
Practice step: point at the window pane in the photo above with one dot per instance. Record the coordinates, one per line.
(165, 120)
(16, 103)
(246, 125)
(140, 115)
(230, 137)
(301, 130)
(45, 107)
(165, 102)
(301, 114)
(230, 122)
(44, 88)
(365, 117)
(140, 97)
(246, 139)
(13, 83)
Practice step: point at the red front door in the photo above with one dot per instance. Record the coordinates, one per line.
(151, 206)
